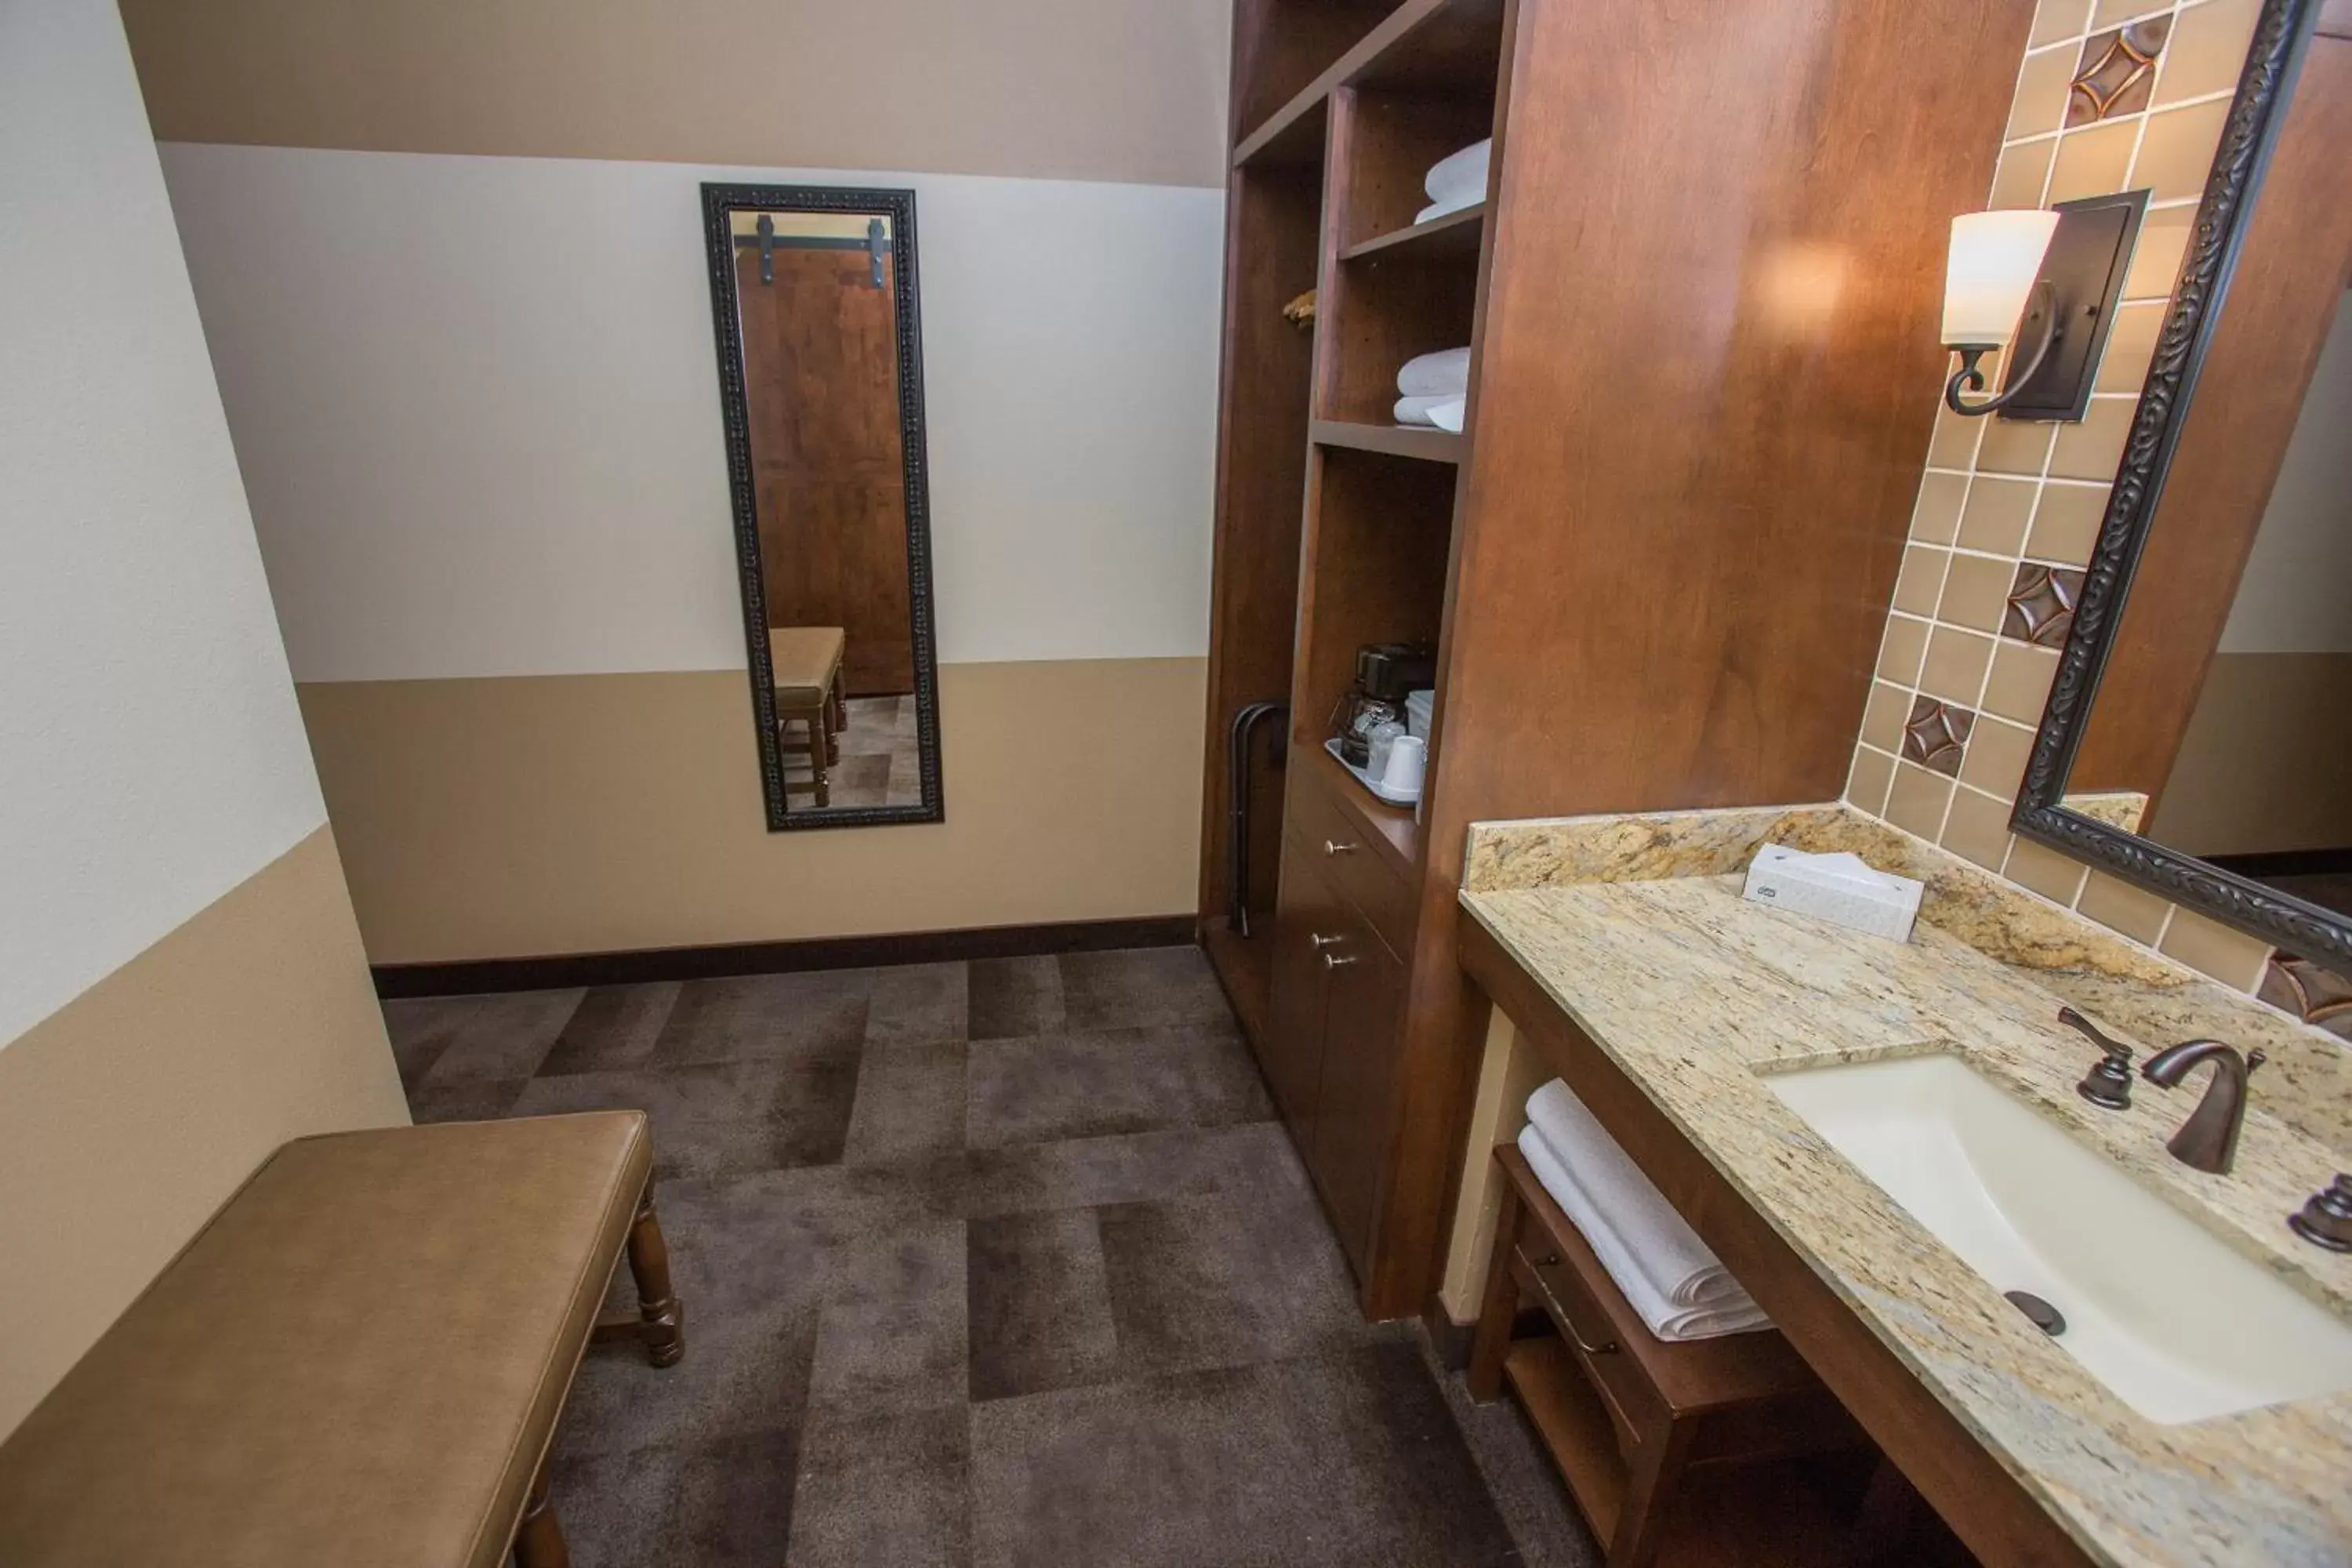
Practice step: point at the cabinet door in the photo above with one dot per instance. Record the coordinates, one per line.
(1364, 997)
(1306, 911)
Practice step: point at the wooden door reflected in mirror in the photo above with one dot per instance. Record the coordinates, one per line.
(814, 297)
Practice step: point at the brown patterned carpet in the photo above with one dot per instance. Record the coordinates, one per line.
(1004, 1262)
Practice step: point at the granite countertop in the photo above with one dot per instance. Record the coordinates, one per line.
(1635, 927)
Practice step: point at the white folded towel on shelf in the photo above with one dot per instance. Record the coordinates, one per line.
(1445, 413)
(1675, 1263)
(1663, 1318)
(1444, 373)
(1460, 175)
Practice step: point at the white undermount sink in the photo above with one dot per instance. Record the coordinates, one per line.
(2178, 1325)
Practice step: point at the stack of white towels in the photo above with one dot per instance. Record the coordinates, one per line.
(1456, 181)
(1658, 1262)
(1434, 390)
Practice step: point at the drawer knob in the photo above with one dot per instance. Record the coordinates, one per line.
(1341, 961)
(1333, 847)
(1320, 941)
(1548, 1260)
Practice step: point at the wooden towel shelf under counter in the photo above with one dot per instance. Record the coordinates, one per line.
(1627, 1416)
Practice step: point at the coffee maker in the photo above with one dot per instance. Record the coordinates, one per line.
(1385, 671)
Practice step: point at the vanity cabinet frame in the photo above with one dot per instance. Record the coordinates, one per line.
(1983, 1504)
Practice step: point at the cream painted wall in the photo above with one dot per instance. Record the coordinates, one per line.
(182, 987)
(151, 753)
(2296, 594)
(477, 412)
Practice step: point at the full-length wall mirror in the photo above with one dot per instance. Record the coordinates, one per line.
(2198, 739)
(813, 294)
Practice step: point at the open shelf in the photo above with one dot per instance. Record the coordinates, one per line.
(1280, 46)
(1456, 233)
(1377, 314)
(1375, 573)
(1423, 47)
(1417, 441)
(1785, 1513)
(1568, 1416)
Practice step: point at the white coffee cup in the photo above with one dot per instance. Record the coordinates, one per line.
(1407, 759)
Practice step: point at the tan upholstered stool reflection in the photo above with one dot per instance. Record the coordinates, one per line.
(806, 665)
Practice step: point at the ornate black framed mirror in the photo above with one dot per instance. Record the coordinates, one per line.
(2204, 692)
(815, 303)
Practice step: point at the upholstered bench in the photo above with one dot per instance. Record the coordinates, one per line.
(359, 1360)
(806, 664)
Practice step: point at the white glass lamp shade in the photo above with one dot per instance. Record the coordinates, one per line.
(1990, 275)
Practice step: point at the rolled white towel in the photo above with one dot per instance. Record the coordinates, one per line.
(1444, 373)
(1670, 1253)
(1462, 174)
(1443, 413)
(1664, 1317)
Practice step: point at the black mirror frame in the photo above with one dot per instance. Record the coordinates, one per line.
(898, 205)
(2281, 34)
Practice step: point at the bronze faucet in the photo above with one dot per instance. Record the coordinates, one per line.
(2208, 1140)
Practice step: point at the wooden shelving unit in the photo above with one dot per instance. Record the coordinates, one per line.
(1655, 432)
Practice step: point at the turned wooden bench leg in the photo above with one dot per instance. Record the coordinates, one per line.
(660, 1323)
(539, 1539)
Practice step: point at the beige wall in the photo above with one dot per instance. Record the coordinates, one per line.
(1094, 89)
(1997, 493)
(130, 1114)
(574, 814)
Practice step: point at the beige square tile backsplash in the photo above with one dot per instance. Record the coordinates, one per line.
(2000, 496)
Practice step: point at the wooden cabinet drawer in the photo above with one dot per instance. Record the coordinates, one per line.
(1328, 833)
(1558, 1271)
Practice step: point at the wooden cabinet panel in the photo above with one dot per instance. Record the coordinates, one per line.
(1330, 1052)
(1363, 1003)
(1291, 1055)
(1357, 865)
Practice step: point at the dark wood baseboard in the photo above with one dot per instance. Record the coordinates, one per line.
(637, 966)
(1448, 1341)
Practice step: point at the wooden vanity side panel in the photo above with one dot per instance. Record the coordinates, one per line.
(1982, 1503)
(1702, 414)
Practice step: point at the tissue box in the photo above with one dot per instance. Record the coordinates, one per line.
(1838, 887)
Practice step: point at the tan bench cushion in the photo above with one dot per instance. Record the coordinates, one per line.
(358, 1362)
(806, 660)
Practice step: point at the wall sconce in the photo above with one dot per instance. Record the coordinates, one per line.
(2045, 283)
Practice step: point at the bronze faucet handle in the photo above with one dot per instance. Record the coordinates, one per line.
(2108, 1083)
(2326, 1220)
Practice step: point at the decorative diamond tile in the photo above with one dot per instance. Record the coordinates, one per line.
(2041, 603)
(1936, 734)
(2117, 71)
